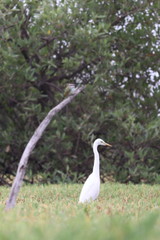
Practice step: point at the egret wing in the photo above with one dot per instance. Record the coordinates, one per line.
(90, 190)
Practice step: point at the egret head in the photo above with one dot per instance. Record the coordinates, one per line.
(99, 141)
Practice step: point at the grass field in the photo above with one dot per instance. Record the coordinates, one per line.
(129, 212)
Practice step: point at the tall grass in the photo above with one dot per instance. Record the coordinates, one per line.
(128, 212)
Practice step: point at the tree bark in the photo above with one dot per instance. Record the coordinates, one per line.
(11, 202)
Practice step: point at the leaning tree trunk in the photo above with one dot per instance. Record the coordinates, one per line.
(31, 145)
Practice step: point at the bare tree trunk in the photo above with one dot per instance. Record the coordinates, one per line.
(31, 145)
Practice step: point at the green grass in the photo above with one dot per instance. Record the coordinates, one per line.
(128, 212)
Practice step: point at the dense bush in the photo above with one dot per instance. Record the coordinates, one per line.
(110, 46)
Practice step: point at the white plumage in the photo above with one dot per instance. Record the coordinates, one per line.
(91, 187)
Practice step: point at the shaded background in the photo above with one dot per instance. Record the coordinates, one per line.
(113, 47)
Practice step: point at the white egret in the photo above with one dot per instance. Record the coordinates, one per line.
(91, 187)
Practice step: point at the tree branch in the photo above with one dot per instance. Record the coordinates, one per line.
(121, 18)
(31, 145)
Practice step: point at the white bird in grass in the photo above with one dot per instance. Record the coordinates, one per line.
(91, 187)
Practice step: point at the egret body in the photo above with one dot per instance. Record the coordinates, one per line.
(91, 187)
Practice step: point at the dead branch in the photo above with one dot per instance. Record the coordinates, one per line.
(31, 145)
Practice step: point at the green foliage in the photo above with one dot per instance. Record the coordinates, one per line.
(110, 46)
(52, 212)
(136, 156)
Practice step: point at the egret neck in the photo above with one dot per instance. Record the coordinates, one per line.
(96, 160)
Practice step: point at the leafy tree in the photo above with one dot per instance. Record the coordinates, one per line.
(112, 46)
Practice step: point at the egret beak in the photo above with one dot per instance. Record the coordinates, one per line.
(108, 145)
